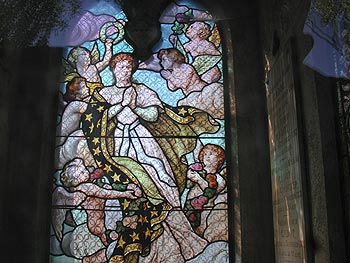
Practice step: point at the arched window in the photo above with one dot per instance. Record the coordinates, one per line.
(140, 151)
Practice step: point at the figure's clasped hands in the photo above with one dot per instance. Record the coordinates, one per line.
(129, 98)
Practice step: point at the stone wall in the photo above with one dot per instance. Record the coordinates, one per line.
(283, 21)
(29, 81)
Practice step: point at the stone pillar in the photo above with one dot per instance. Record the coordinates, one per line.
(29, 115)
(252, 136)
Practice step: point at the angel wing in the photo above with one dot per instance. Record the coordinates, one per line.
(215, 36)
(203, 63)
(67, 67)
(63, 201)
(223, 173)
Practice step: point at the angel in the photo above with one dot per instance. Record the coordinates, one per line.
(86, 63)
(207, 183)
(70, 140)
(75, 99)
(177, 73)
(182, 75)
(201, 50)
(203, 47)
(79, 189)
(82, 70)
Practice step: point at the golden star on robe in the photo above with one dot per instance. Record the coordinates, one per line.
(154, 213)
(146, 206)
(126, 182)
(91, 127)
(182, 112)
(107, 168)
(148, 232)
(116, 177)
(96, 140)
(97, 151)
(98, 123)
(101, 108)
(125, 204)
(121, 242)
(88, 117)
(99, 163)
(143, 219)
(191, 111)
(134, 236)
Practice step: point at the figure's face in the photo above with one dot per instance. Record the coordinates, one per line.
(122, 70)
(83, 58)
(166, 62)
(77, 172)
(194, 30)
(79, 90)
(210, 158)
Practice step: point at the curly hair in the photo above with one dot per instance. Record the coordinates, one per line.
(124, 57)
(67, 175)
(217, 149)
(74, 53)
(72, 89)
(203, 29)
(172, 53)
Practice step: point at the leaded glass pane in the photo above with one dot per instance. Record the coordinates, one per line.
(140, 150)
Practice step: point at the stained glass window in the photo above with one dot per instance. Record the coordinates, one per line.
(140, 150)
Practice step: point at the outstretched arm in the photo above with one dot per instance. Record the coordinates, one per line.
(93, 190)
(101, 65)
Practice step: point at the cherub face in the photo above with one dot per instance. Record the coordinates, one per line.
(210, 159)
(83, 58)
(195, 30)
(166, 62)
(75, 173)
